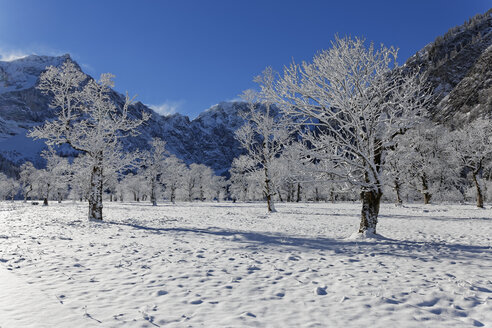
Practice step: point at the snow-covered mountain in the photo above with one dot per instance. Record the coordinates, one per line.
(207, 139)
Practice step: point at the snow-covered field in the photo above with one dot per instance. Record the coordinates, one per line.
(230, 265)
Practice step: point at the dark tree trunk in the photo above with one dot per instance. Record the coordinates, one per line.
(370, 210)
(152, 193)
(397, 191)
(45, 200)
(202, 194)
(267, 191)
(371, 198)
(425, 190)
(96, 191)
(332, 196)
(298, 193)
(478, 189)
(173, 194)
(427, 198)
(280, 196)
(27, 193)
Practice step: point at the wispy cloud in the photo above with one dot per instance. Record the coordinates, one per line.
(9, 55)
(235, 99)
(168, 107)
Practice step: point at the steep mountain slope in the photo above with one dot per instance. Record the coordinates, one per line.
(459, 66)
(208, 139)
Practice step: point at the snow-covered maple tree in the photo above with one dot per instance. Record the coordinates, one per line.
(472, 146)
(360, 100)
(88, 119)
(263, 136)
(153, 166)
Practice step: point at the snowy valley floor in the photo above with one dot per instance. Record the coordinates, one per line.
(230, 265)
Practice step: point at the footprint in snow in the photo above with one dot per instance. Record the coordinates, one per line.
(321, 291)
(293, 258)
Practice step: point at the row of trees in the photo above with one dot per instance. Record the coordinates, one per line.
(156, 175)
(429, 162)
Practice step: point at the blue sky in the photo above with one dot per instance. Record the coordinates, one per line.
(187, 55)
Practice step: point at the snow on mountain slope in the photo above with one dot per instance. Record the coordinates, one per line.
(23, 73)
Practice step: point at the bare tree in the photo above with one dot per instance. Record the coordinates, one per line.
(9, 187)
(472, 145)
(263, 136)
(426, 161)
(54, 178)
(153, 166)
(173, 176)
(27, 179)
(359, 100)
(88, 120)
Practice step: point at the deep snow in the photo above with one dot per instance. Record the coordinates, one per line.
(230, 265)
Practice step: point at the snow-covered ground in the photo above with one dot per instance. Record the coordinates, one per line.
(230, 265)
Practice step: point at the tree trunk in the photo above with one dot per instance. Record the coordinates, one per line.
(152, 194)
(479, 190)
(298, 193)
(268, 194)
(173, 194)
(425, 190)
(397, 191)
(370, 210)
(96, 191)
(26, 195)
(280, 196)
(45, 200)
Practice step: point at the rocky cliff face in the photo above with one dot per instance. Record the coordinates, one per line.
(459, 68)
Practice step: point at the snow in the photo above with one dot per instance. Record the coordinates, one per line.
(23, 73)
(230, 265)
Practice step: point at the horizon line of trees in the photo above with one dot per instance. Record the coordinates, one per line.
(432, 163)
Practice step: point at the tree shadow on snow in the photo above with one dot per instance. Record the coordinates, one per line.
(420, 250)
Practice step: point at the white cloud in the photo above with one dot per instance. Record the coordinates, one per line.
(235, 99)
(168, 107)
(9, 55)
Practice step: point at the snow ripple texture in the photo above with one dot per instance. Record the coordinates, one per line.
(230, 265)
